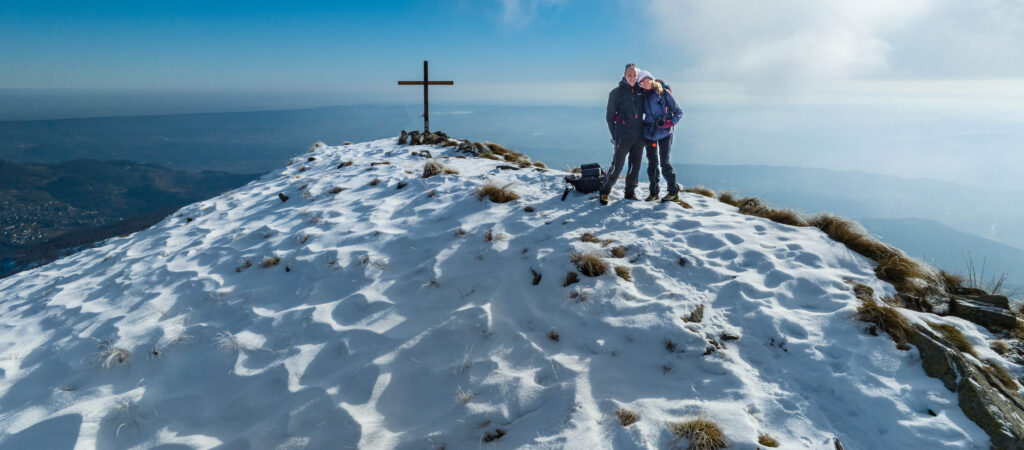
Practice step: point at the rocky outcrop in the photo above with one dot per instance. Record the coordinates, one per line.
(990, 311)
(984, 396)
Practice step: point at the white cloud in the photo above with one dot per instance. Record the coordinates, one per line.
(785, 40)
(783, 44)
(519, 13)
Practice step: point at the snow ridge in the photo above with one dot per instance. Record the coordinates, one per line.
(376, 314)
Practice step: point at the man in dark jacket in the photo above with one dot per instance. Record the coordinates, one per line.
(625, 122)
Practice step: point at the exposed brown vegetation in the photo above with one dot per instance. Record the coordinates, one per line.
(589, 237)
(1000, 347)
(589, 263)
(728, 198)
(497, 194)
(493, 236)
(700, 190)
(999, 373)
(702, 433)
(570, 278)
(336, 189)
(270, 261)
(767, 441)
(619, 252)
(950, 281)
(623, 272)
(345, 164)
(954, 336)
(374, 181)
(540, 164)
(754, 207)
(553, 335)
(901, 271)
(435, 167)
(380, 163)
(696, 315)
(885, 318)
(529, 209)
(626, 417)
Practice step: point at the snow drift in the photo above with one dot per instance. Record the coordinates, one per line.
(367, 306)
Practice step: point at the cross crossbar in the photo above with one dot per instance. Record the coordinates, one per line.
(426, 99)
(420, 83)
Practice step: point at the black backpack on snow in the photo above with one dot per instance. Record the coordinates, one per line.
(590, 179)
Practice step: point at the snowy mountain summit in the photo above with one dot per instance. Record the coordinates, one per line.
(348, 301)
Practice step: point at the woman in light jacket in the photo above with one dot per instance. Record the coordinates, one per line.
(661, 113)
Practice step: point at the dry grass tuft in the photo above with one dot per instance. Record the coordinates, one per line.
(1000, 347)
(345, 164)
(950, 281)
(754, 207)
(728, 199)
(999, 373)
(702, 433)
(696, 315)
(623, 272)
(589, 237)
(336, 189)
(380, 163)
(553, 335)
(850, 234)
(529, 209)
(626, 417)
(901, 271)
(619, 252)
(374, 181)
(270, 261)
(589, 263)
(493, 236)
(435, 167)
(887, 319)
(540, 165)
(954, 336)
(570, 278)
(701, 190)
(109, 355)
(767, 441)
(497, 194)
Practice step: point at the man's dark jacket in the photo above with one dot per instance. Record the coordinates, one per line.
(625, 112)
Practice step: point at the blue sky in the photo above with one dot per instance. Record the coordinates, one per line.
(539, 51)
(320, 46)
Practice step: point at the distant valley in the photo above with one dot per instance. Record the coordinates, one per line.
(47, 209)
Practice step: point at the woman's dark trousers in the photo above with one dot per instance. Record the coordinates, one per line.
(634, 149)
(659, 152)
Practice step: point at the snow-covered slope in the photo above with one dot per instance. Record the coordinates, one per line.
(384, 318)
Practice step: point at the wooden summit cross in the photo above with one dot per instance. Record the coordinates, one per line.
(426, 100)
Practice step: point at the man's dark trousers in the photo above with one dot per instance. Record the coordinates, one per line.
(658, 155)
(634, 150)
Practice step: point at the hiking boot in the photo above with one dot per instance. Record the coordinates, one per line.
(652, 197)
(631, 196)
(604, 199)
(674, 197)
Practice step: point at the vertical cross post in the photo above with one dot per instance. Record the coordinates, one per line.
(426, 97)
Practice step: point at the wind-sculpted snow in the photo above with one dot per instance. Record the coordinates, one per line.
(387, 320)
